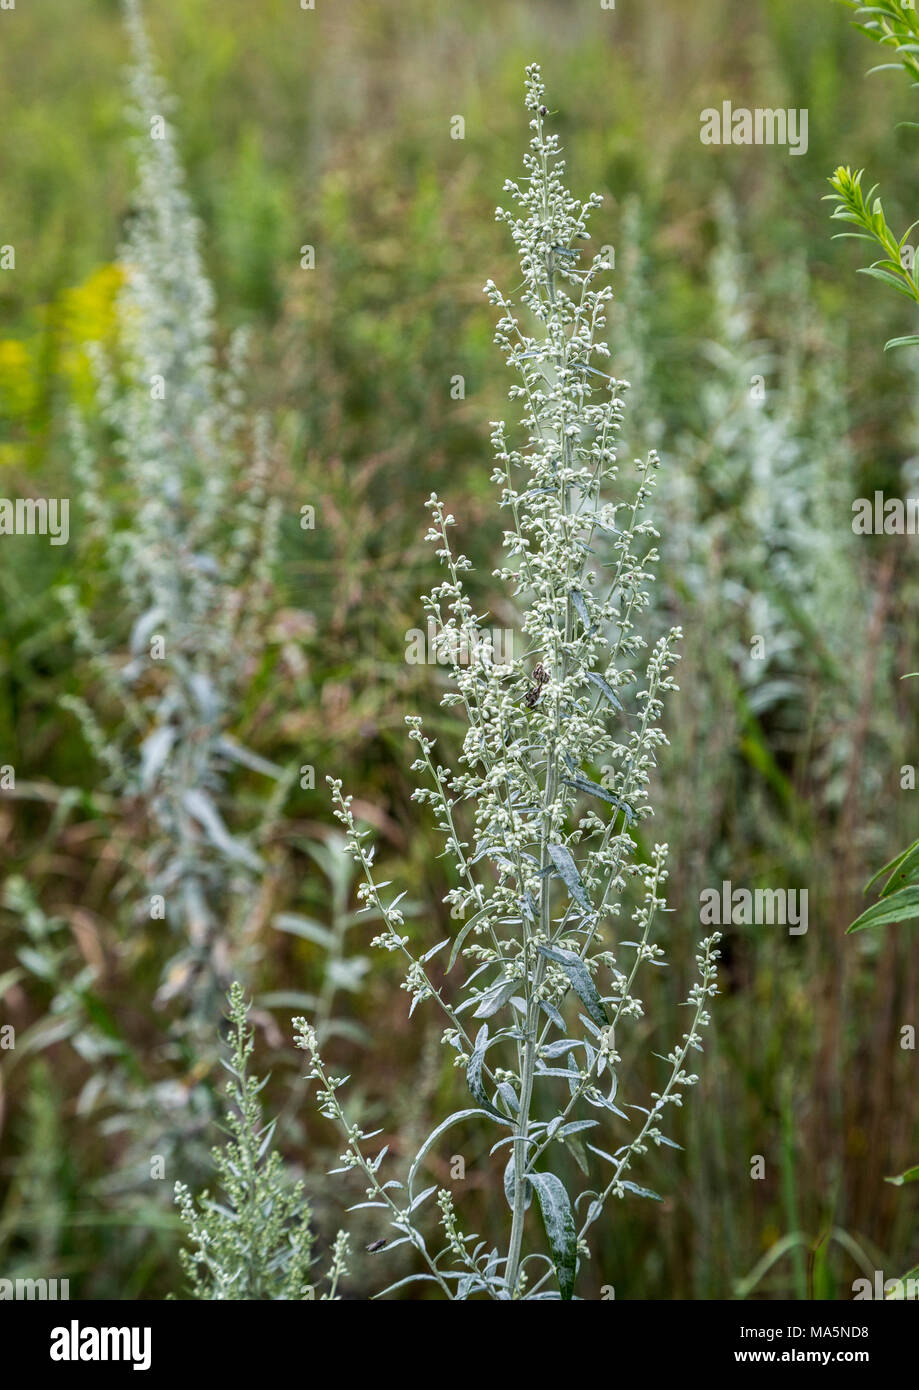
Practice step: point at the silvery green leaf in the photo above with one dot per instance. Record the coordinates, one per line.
(267, 1138)
(486, 965)
(577, 598)
(474, 1072)
(509, 1186)
(580, 978)
(531, 1140)
(144, 629)
(574, 1126)
(568, 872)
(601, 1153)
(506, 1090)
(205, 694)
(495, 998)
(154, 751)
(306, 927)
(558, 1220)
(36, 963)
(435, 1134)
(422, 1197)
(576, 1148)
(596, 679)
(238, 754)
(584, 784)
(573, 1068)
(641, 1191)
(224, 1211)
(199, 805)
(433, 951)
(552, 1014)
(44, 1033)
(409, 1279)
(464, 932)
(557, 1049)
(601, 1102)
(348, 973)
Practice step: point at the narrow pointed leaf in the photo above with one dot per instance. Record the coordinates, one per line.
(899, 907)
(596, 679)
(435, 1134)
(509, 1186)
(495, 998)
(568, 872)
(558, 1220)
(474, 1072)
(457, 944)
(641, 1191)
(584, 784)
(581, 981)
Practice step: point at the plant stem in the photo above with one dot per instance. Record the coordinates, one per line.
(538, 965)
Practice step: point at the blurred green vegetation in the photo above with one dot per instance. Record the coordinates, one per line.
(331, 128)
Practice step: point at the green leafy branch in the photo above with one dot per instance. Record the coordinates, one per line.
(899, 899)
(894, 26)
(867, 212)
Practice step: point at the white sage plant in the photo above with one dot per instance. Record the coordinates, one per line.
(187, 530)
(556, 889)
(193, 547)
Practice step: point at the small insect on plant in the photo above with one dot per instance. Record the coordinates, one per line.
(534, 690)
(557, 893)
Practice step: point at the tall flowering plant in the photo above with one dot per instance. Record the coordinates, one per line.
(557, 893)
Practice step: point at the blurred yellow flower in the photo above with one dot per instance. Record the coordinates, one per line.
(82, 316)
(17, 378)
